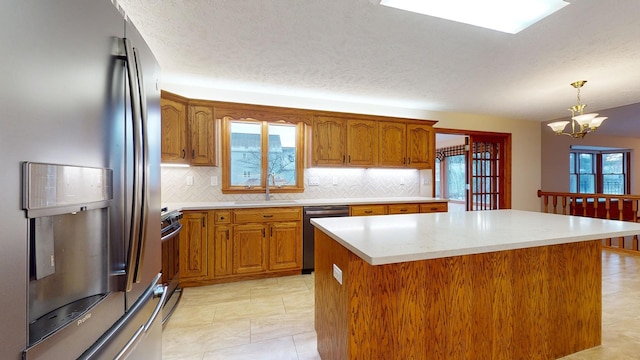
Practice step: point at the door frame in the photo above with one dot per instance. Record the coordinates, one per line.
(505, 199)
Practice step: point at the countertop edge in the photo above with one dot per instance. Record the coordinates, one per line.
(181, 206)
(631, 229)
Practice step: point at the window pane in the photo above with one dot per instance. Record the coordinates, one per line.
(437, 176)
(246, 159)
(282, 154)
(613, 184)
(586, 163)
(612, 163)
(456, 178)
(573, 180)
(587, 184)
(572, 163)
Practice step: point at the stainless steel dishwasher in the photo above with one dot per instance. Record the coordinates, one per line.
(310, 212)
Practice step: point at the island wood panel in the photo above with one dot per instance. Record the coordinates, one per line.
(332, 320)
(541, 303)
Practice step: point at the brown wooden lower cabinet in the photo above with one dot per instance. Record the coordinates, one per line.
(393, 209)
(285, 249)
(434, 207)
(222, 251)
(194, 245)
(231, 245)
(249, 249)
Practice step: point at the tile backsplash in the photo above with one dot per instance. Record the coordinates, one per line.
(203, 184)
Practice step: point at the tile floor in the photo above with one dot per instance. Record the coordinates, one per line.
(273, 318)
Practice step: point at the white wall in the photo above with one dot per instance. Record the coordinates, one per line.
(526, 149)
(555, 157)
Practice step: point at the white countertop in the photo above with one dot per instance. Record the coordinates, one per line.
(387, 239)
(300, 202)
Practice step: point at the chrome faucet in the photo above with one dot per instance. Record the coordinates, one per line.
(273, 178)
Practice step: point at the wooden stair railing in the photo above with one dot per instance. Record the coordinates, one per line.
(602, 206)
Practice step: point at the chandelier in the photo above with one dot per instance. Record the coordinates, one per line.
(581, 123)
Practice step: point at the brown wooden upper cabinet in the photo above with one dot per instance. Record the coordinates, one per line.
(174, 131)
(202, 138)
(329, 137)
(188, 131)
(362, 136)
(344, 142)
(372, 143)
(405, 145)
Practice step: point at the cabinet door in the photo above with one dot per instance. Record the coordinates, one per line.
(362, 147)
(174, 131)
(193, 244)
(329, 137)
(420, 146)
(202, 129)
(392, 144)
(222, 251)
(249, 248)
(285, 246)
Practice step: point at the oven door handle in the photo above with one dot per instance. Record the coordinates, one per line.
(171, 234)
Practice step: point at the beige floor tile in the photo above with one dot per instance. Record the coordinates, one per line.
(277, 326)
(215, 294)
(299, 302)
(186, 315)
(246, 309)
(183, 356)
(206, 337)
(276, 349)
(285, 286)
(307, 346)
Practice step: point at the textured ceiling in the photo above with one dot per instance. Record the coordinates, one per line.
(360, 51)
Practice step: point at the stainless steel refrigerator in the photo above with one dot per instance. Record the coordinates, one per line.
(80, 184)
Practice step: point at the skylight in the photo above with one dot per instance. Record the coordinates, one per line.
(509, 16)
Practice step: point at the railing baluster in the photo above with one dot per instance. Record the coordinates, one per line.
(628, 207)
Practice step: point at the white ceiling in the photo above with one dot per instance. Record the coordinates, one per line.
(360, 51)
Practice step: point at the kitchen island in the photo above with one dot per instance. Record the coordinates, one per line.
(502, 284)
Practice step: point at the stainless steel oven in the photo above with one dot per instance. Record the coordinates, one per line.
(170, 236)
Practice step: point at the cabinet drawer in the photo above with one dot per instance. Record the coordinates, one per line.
(267, 214)
(404, 209)
(364, 210)
(434, 207)
(223, 217)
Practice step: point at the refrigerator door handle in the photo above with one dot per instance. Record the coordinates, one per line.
(162, 292)
(135, 231)
(126, 350)
(144, 165)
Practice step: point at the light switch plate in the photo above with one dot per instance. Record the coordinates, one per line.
(337, 273)
(189, 180)
(214, 181)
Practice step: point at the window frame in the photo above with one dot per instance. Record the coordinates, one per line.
(227, 188)
(598, 169)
